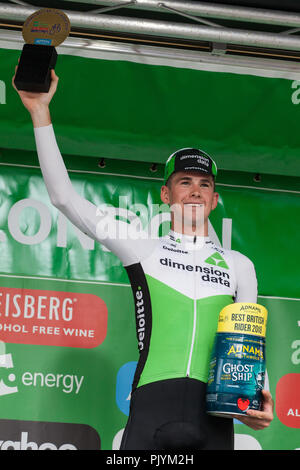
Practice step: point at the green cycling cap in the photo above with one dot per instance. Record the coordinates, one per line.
(189, 159)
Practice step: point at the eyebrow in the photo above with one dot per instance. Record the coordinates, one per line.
(189, 178)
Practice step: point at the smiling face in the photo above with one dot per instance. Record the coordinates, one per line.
(191, 197)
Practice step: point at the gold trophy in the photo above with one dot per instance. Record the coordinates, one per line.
(42, 31)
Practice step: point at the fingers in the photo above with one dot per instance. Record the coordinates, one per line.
(54, 76)
(13, 79)
(267, 397)
(260, 419)
(261, 416)
(54, 79)
(267, 400)
(54, 82)
(253, 423)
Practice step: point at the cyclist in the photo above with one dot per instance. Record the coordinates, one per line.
(180, 283)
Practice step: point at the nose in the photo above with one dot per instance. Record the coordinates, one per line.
(196, 190)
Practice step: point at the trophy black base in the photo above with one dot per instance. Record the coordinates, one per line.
(34, 69)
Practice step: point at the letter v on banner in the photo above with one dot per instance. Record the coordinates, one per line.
(226, 233)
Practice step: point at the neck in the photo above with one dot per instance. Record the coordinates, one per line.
(191, 230)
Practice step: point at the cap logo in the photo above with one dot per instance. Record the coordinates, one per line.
(188, 159)
(203, 160)
(184, 157)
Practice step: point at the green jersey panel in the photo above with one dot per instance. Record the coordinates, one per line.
(182, 335)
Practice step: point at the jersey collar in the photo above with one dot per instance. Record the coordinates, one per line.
(183, 239)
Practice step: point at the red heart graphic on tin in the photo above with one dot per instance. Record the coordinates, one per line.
(243, 403)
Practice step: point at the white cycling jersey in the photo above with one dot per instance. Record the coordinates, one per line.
(180, 283)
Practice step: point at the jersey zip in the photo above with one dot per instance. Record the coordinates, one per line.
(194, 319)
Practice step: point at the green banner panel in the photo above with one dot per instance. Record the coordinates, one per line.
(68, 347)
(140, 112)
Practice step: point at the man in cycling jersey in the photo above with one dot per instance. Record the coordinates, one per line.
(180, 283)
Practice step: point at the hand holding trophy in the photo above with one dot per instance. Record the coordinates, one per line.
(42, 31)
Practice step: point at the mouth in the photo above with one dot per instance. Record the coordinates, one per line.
(194, 204)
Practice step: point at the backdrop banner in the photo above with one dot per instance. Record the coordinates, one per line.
(68, 344)
(144, 112)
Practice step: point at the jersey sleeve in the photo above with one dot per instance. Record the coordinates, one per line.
(98, 223)
(246, 290)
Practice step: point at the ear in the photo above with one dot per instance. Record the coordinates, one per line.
(215, 201)
(164, 194)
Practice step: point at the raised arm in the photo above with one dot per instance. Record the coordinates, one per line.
(81, 212)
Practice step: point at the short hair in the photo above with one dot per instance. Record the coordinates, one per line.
(169, 181)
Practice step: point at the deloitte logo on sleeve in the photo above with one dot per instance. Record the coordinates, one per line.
(123, 387)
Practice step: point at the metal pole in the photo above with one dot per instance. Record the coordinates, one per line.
(185, 15)
(210, 10)
(115, 7)
(163, 28)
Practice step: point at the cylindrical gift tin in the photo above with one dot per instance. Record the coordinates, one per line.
(237, 366)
